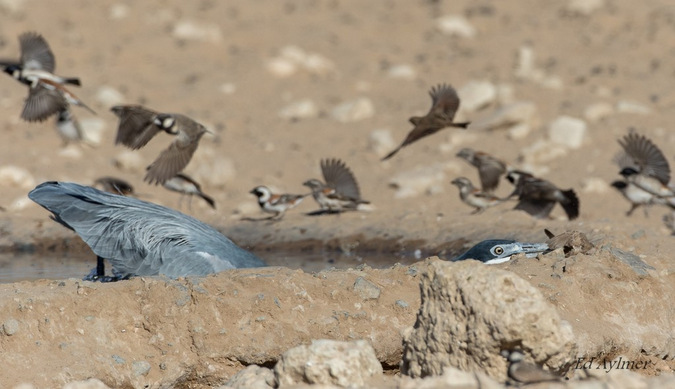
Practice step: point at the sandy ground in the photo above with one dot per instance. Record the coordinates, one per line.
(215, 61)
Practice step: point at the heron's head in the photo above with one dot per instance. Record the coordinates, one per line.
(500, 250)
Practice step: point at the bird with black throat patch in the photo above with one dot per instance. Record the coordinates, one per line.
(276, 204)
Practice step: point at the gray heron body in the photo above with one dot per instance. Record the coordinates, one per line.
(494, 251)
(139, 238)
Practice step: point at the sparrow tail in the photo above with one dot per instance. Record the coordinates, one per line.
(72, 81)
(463, 125)
(571, 205)
(391, 154)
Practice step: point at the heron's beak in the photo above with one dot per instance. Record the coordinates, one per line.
(532, 249)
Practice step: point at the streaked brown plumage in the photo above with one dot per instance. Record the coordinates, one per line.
(444, 105)
(340, 192)
(490, 169)
(138, 125)
(185, 185)
(472, 196)
(276, 204)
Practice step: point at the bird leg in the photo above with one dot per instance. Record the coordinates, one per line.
(98, 273)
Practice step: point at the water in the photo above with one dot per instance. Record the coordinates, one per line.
(26, 267)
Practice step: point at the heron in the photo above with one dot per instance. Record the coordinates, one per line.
(493, 251)
(139, 238)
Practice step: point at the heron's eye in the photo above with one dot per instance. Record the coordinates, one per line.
(499, 250)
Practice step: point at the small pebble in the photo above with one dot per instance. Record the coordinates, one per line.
(10, 327)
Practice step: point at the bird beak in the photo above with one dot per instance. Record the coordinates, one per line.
(532, 249)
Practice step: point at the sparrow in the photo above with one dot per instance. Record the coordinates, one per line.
(340, 192)
(525, 372)
(638, 196)
(138, 125)
(444, 105)
(68, 127)
(277, 204)
(114, 185)
(472, 196)
(182, 183)
(490, 169)
(47, 94)
(538, 197)
(644, 165)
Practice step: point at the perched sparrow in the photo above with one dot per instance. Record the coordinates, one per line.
(525, 372)
(644, 166)
(114, 185)
(490, 169)
(538, 197)
(68, 127)
(277, 204)
(138, 125)
(47, 94)
(472, 196)
(340, 192)
(444, 104)
(638, 196)
(182, 183)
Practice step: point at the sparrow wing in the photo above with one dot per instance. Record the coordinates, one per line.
(537, 208)
(490, 170)
(171, 161)
(444, 102)
(646, 156)
(35, 52)
(338, 176)
(136, 126)
(42, 102)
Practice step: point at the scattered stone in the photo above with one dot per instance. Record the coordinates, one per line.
(129, 161)
(594, 185)
(424, 179)
(91, 383)
(345, 364)
(20, 203)
(567, 131)
(632, 260)
(13, 6)
(140, 368)
(584, 7)
(10, 327)
(476, 95)
(282, 67)
(632, 107)
(193, 31)
(464, 323)
(118, 360)
(527, 70)
(354, 111)
(381, 142)
(71, 151)
(571, 242)
(542, 151)
(403, 72)
(506, 94)
(118, 11)
(92, 130)
(228, 88)
(211, 169)
(598, 111)
(519, 131)
(366, 289)
(508, 116)
(402, 304)
(292, 58)
(303, 109)
(15, 176)
(109, 96)
(253, 377)
(455, 25)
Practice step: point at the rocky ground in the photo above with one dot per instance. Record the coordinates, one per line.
(549, 87)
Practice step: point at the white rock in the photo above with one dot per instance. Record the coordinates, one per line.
(118, 11)
(354, 111)
(632, 107)
(130, 161)
(594, 185)
(254, 377)
(455, 25)
(381, 142)
(476, 95)
(12, 6)
(508, 116)
(291, 58)
(567, 131)
(71, 151)
(598, 111)
(551, 82)
(15, 176)
(506, 94)
(584, 7)
(228, 88)
(519, 131)
(91, 383)
(345, 364)
(282, 67)
(189, 30)
(525, 67)
(294, 54)
(21, 203)
(430, 179)
(302, 109)
(210, 168)
(542, 151)
(109, 96)
(92, 130)
(404, 72)
(318, 64)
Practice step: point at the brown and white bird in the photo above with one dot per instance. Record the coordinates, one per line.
(639, 197)
(139, 124)
(472, 196)
(538, 197)
(490, 169)
(444, 105)
(276, 204)
(114, 185)
(69, 127)
(340, 192)
(47, 94)
(526, 372)
(185, 185)
(644, 166)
